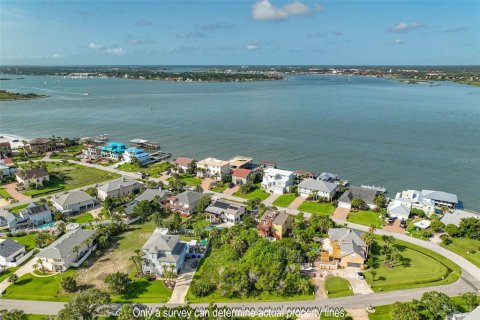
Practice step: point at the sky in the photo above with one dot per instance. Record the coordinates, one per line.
(248, 32)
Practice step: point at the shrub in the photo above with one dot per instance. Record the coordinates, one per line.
(451, 230)
(202, 288)
(69, 284)
(12, 278)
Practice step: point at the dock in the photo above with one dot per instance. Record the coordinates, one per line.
(381, 189)
(146, 144)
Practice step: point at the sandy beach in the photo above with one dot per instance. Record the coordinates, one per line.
(15, 141)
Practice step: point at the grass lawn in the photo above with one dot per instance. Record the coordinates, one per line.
(7, 272)
(27, 240)
(337, 287)
(366, 218)
(82, 218)
(189, 180)
(18, 208)
(284, 200)
(257, 193)
(153, 170)
(30, 287)
(315, 207)
(146, 292)
(76, 176)
(421, 268)
(4, 194)
(220, 189)
(465, 247)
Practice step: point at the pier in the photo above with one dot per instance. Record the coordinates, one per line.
(146, 144)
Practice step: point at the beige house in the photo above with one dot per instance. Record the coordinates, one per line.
(275, 224)
(34, 176)
(346, 247)
(213, 168)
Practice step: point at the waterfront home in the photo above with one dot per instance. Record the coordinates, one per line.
(277, 181)
(318, 188)
(275, 224)
(238, 162)
(157, 195)
(163, 253)
(346, 247)
(213, 168)
(182, 164)
(327, 176)
(399, 210)
(36, 214)
(137, 153)
(267, 164)
(32, 178)
(221, 211)
(367, 195)
(73, 202)
(416, 200)
(441, 198)
(5, 150)
(184, 203)
(5, 171)
(70, 250)
(92, 152)
(40, 145)
(113, 150)
(457, 215)
(10, 253)
(118, 188)
(242, 176)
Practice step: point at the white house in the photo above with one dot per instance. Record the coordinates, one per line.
(162, 249)
(277, 181)
(73, 202)
(399, 210)
(213, 168)
(322, 188)
(37, 214)
(7, 220)
(10, 252)
(118, 188)
(221, 211)
(138, 153)
(367, 195)
(441, 198)
(416, 200)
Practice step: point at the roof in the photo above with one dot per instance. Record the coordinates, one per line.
(33, 173)
(39, 141)
(275, 172)
(7, 216)
(456, 216)
(475, 314)
(63, 246)
(219, 207)
(241, 173)
(320, 185)
(350, 241)
(239, 161)
(9, 247)
(168, 247)
(183, 161)
(440, 196)
(213, 162)
(367, 195)
(117, 184)
(279, 217)
(150, 194)
(33, 209)
(422, 224)
(398, 208)
(189, 197)
(327, 176)
(74, 197)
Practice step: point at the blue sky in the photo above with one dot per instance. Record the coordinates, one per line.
(239, 32)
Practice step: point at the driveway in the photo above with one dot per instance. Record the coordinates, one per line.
(341, 213)
(15, 194)
(230, 191)
(23, 270)
(271, 199)
(206, 183)
(350, 274)
(182, 284)
(394, 227)
(296, 203)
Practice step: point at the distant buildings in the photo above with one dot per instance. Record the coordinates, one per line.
(74, 202)
(426, 200)
(213, 168)
(184, 203)
(277, 181)
(221, 211)
(113, 150)
(320, 188)
(238, 162)
(137, 153)
(275, 224)
(118, 188)
(34, 177)
(367, 195)
(5, 171)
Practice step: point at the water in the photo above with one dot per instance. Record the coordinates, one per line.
(368, 130)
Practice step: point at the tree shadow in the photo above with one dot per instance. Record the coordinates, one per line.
(136, 289)
(22, 282)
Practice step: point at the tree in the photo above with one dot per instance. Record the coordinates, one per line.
(380, 201)
(404, 311)
(85, 305)
(92, 191)
(373, 273)
(368, 238)
(471, 300)
(14, 315)
(203, 203)
(137, 259)
(469, 228)
(40, 264)
(436, 225)
(118, 282)
(44, 239)
(249, 221)
(69, 284)
(437, 304)
(358, 203)
(247, 187)
(13, 278)
(451, 230)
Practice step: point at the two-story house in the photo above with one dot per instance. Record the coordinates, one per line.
(277, 181)
(37, 214)
(274, 224)
(74, 202)
(34, 177)
(221, 211)
(118, 188)
(213, 168)
(184, 203)
(318, 188)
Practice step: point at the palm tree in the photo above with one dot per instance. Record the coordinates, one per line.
(368, 238)
(75, 250)
(40, 263)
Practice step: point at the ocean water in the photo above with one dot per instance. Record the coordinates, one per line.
(368, 130)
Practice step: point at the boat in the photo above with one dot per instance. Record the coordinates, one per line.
(85, 94)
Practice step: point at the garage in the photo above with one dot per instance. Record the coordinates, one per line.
(354, 265)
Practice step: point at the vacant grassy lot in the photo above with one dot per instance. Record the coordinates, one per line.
(337, 287)
(153, 170)
(76, 176)
(189, 180)
(82, 218)
(366, 218)
(220, 189)
(284, 200)
(315, 207)
(257, 193)
(421, 268)
(467, 248)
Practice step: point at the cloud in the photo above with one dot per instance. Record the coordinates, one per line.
(193, 35)
(394, 42)
(215, 26)
(113, 50)
(404, 27)
(456, 30)
(94, 46)
(143, 23)
(253, 46)
(136, 41)
(264, 10)
(57, 56)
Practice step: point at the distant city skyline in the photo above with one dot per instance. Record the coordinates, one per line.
(262, 32)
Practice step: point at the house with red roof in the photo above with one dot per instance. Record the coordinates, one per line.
(182, 164)
(242, 176)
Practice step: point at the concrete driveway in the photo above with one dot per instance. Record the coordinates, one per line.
(341, 213)
(182, 284)
(296, 203)
(350, 274)
(271, 199)
(15, 194)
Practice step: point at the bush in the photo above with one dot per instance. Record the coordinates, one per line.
(418, 212)
(451, 230)
(446, 240)
(202, 288)
(427, 233)
(69, 284)
(118, 282)
(12, 278)
(436, 225)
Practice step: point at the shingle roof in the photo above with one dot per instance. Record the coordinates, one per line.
(150, 194)
(167, 247)
(367, 195)
(320, 185)
(39, 141)
(9, 247)
(33, 209)
(279, 219)
(73, 197)
(218, 207)
(33, 173)
(440, 196)
(350, 241)
(117, 184)
(189, 197)
(183, 161)
(327, 176)
(61, 247)
(399, 208)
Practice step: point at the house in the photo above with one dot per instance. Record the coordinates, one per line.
(185, 202)
(163, 252)
(137, 153)
(399, 210)
(415, 199)
(320, 188)
(113, 150)
(367, 195)
(267, 164)
(238, 162)
(37, 214)
(92, 152)
(5, 150)
(118, 188)
(7, 220)
(327, 176)
(70, 250)
(441, 198)
(221, 211)
(10, 252)
(457, 215)
(40, 145)
(5, 171)
(275, 224)
(213, 168)
(147, 195)
(277, 181)
(34, 177)
(242, 176)
(74, 202)
(346, 247)
(182, 164)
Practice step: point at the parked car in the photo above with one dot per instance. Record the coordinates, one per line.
(390, 220)
(403, 224)
(194, 263)
(360, 276)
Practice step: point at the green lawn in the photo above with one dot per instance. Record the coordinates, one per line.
(366, 218)
(421, 268)
(82, 218)
(257, 193)
(76, 176)
(27, 240)
(18, 208)
(337, 287)
(189, 180)
(315, 207)
(7, 272)
(30, 287)
(220, 189)
(465, 247)
(284, 200)
(145, 292)
(4, 194)
(153, 170)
